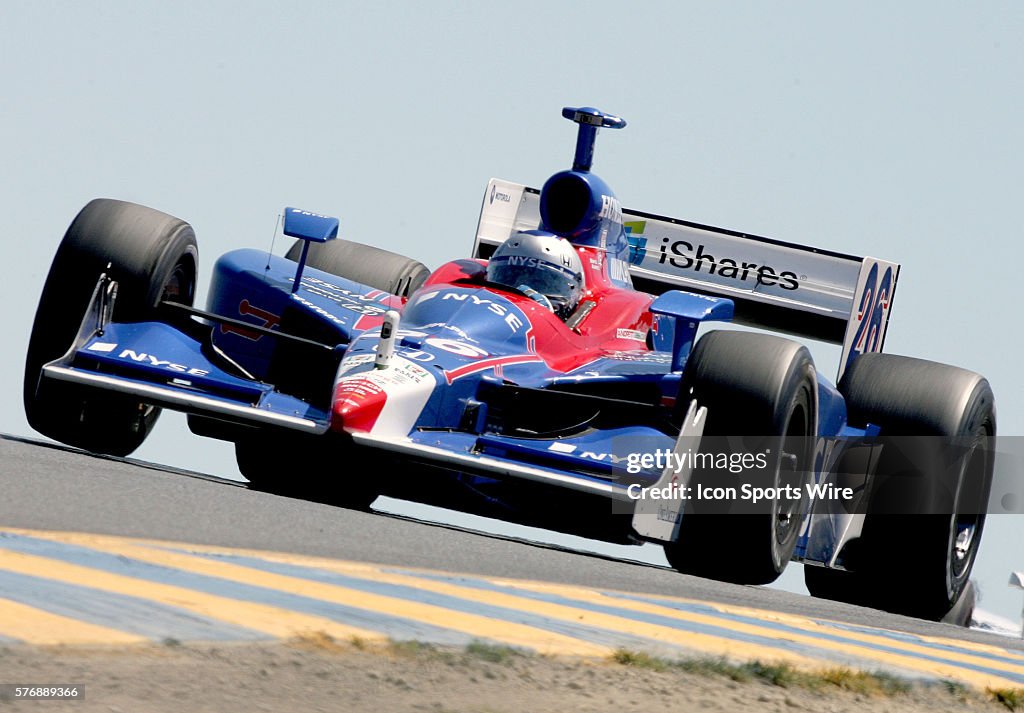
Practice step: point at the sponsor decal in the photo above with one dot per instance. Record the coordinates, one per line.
(683, 255)
(353, 362)
(400, 372)
(317, 285)
(497, 195)
(611, 209)
(356, 388)
(567, 448)
(619, 270)
(642, 356)
(635, 334)
(311, 215)
(321, 311)
(497, 308)
(103, 347)
(358, 402)
(364, 304)
(150, 360)
(247, 309)
(603, 457)
(386, 401)
(636, 240)
(404, 372)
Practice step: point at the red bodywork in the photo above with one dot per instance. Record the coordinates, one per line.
(617, 311)
(619, 321)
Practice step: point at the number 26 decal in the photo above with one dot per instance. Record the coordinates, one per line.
(871, 313)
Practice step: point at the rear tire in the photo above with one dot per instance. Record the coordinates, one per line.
(929, 491)
(760, 392)
(152, 256)
(365, 264)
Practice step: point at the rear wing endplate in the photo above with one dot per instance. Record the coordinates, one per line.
(804, 291)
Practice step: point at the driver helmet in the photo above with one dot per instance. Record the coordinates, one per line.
(541, 265)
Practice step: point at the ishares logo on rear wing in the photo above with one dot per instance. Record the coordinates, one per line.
(819, 294)
(680, 254)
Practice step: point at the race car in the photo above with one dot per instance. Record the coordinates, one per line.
(568, 374)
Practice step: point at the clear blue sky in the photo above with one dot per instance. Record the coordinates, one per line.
(889, 129)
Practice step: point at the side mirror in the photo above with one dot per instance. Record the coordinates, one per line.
(309, 228)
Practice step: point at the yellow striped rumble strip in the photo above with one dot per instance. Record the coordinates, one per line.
(270, 620)
(73, 588)
(35, 626)
(507, 633)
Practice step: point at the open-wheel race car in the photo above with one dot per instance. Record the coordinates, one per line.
(554, 378)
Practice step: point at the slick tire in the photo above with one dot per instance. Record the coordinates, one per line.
(761, 395)
(306, 467)
(152, 256)
(929, 491)
(365, 264)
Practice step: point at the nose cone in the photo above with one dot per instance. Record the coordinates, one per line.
(385, 402)
(358, 403)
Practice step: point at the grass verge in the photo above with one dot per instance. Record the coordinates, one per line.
(1012, 698)
(871, 683)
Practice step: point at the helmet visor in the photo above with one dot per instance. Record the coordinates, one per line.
(559, 286)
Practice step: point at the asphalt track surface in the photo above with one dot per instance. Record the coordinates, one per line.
(49, 488)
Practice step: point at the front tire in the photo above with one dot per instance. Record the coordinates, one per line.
(929, 491)
(306, 467)
(761, 396)
(274, 461)
(152, 256)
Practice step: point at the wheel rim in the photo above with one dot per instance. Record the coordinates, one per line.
(792, 470)
(969, 518)
(963, 545)
(180, 285)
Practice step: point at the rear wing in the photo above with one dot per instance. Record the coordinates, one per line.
(804, 291)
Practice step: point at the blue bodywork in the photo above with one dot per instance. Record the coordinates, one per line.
(446, 329)
(468, 360)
